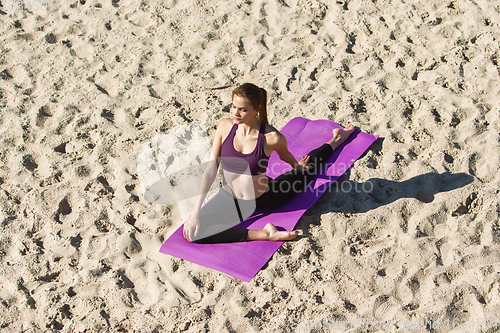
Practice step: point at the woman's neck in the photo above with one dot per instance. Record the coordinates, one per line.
(247, 127)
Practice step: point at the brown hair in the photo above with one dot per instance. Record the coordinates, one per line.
(257, 97)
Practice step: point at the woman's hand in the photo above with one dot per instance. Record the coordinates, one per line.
(302, 164)
(191, 227)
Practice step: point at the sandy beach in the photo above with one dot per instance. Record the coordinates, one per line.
(84, 84)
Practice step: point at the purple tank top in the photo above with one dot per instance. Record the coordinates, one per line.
(234, 161)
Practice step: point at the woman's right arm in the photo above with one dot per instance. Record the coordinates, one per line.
(191, 226)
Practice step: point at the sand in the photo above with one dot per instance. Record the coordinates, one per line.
(84, 84)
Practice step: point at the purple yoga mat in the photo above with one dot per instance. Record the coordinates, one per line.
(244, 260)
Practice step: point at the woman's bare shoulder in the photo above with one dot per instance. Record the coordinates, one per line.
(271, 129)
(224, 124)
(223, 127)
(273, 136)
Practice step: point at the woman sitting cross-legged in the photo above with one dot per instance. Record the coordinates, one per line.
(243, 145)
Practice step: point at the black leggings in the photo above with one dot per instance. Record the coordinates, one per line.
(219, 216)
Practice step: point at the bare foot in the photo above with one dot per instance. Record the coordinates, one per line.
(340, 135)
(276, 235)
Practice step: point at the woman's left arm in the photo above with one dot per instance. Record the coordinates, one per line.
(279, 144)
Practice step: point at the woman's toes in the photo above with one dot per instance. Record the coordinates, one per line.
(276, 235)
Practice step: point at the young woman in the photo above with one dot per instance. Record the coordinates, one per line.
(243, 144)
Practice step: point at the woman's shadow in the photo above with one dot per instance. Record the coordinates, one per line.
(354, 197)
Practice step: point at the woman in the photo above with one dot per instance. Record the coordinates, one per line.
(243, 144)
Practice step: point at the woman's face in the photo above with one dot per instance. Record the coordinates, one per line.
(242, 110)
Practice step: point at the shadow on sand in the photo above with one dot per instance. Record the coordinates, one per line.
(351, 196)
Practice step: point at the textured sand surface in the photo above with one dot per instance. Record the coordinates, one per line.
(85, 84)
